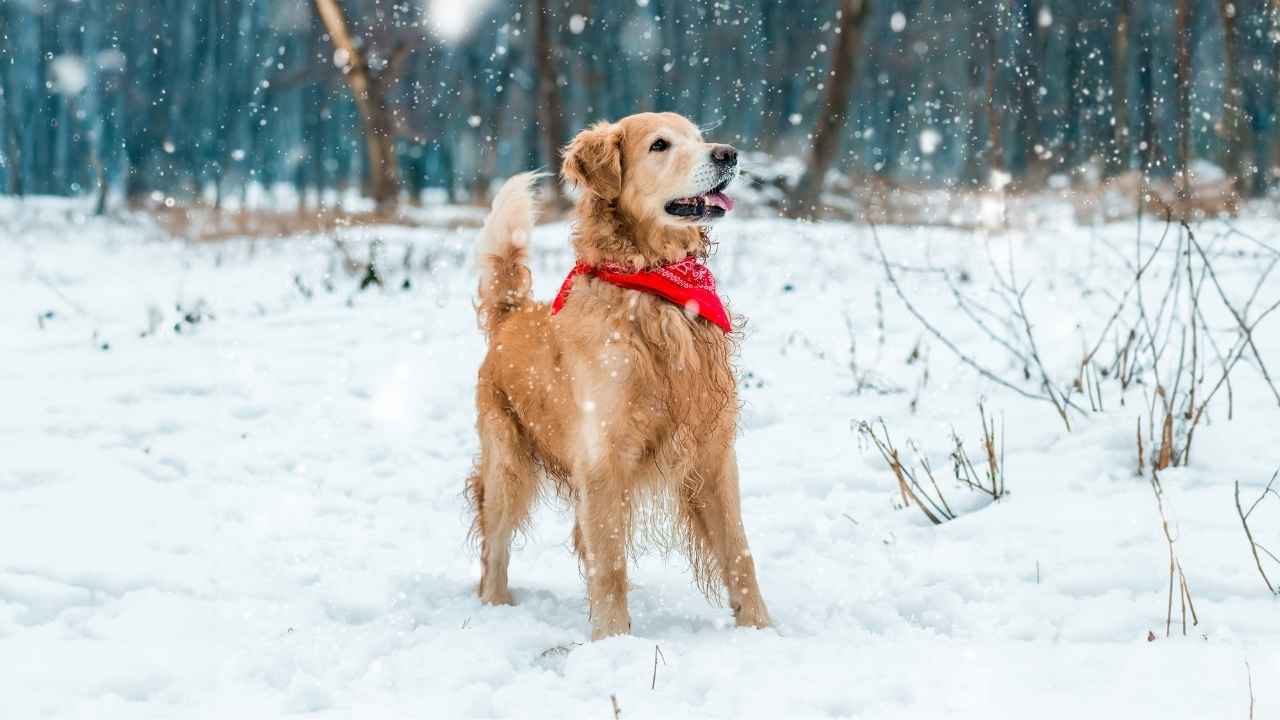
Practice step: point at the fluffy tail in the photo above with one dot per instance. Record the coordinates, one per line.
(503, 248)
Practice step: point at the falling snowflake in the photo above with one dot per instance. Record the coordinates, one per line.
(930, 139)
(69, 75)
(1000, 179)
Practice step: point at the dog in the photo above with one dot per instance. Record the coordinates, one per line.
(620, 396)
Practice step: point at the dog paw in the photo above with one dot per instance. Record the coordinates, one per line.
(754, 617)
(497, 598)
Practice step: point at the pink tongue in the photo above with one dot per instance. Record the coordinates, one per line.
(721, 200)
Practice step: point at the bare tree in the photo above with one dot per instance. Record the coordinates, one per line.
(1233, 99)
(995, 129)
(550, 104)
(1182, 74)
(835, 105)
(1028, 53)
(369, 86)
(1118, 158)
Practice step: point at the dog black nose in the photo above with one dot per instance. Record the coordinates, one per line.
(724, 155)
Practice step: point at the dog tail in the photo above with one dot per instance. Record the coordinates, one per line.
(502, 252)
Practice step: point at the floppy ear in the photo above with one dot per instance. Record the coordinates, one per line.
(594, 160)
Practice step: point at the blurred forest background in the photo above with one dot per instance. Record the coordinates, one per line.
(201, 101)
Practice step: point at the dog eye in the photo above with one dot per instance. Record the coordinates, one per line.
(659, 145)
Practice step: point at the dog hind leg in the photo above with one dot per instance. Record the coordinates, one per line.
(502, 489)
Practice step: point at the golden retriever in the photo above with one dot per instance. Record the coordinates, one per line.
(624, 402)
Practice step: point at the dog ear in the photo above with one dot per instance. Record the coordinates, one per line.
(593, 160)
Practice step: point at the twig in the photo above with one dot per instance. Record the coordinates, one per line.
(1244, 521)
(945, 510)
(1141, 459)
(1020, 311)
(617, 711)
(1234, 356)
(964, 305)
(1137, 282)
(657, 653)
(893, 280)
(1175, 568)
(64, 297)
(907, 484)
(963, 467)
(1245, 328)
(1248, 671)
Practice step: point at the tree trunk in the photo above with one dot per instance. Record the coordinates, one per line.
(1118, 158)
(1027, 158)
(995, 128)
(370, 93)
(1233, 99)
(550, 105)
(1147, 103)
(1182, 75)
(835, 106)
(380, 133)
(590, 75)
(1073, 132)
(1269, 166)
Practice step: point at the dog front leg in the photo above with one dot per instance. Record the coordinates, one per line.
(716, 508)
(604, 515)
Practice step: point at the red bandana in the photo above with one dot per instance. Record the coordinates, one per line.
(687, 283)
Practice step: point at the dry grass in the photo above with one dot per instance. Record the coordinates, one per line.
(1177, 577)
(1184, 387)
(991, 480)
(930, 500)
(935, 506)
(207, 224)
(1132, 194)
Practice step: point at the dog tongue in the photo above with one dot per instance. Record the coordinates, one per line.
(719, 199)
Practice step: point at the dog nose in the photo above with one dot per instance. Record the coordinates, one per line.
(724, 155)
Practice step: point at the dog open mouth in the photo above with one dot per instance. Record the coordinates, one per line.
(709, 205)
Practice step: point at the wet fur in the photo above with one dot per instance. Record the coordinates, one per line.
(626, 405)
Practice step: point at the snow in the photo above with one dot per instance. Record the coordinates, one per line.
(450, 20)
(68, 74)
(256, 509)
(929, 140)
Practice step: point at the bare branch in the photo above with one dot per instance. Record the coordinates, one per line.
(1244, 521)
(893, 280)
(1240, 320)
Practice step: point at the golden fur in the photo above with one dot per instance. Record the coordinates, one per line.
(626, 404)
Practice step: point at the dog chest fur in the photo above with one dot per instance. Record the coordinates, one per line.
(617, 373)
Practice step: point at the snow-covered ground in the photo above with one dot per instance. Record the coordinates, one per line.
(222, 498)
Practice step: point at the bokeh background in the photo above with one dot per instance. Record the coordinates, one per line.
(202, 101)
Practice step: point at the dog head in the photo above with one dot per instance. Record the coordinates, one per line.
(655, 170)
